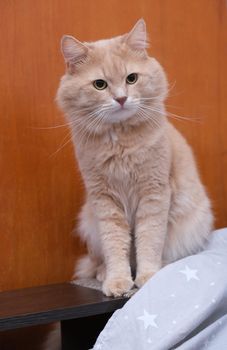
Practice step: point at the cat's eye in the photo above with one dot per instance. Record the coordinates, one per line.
(100, 84)
(132, 78)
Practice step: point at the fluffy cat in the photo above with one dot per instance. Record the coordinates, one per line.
(142, 184)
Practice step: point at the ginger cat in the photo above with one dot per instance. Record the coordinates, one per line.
(142, 184)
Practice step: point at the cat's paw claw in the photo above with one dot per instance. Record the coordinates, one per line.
(117, 286)
(143, 278)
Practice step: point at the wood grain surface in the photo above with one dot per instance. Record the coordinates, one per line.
(40, 188)
(53, 303)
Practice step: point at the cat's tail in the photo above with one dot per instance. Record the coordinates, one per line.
(86, 267)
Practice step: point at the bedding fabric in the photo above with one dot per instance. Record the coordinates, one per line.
(184, 306)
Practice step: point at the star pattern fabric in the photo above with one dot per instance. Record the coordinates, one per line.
(184, 303)
(190, 274)
(148, 319)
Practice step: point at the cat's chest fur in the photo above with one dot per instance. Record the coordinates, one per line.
(118, 167)
(116, 170)
(120, 161)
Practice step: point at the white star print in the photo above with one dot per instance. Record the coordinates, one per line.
(189, 273)
(148, 319)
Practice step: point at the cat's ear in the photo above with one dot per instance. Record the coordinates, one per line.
(137, 38)
(73, 50)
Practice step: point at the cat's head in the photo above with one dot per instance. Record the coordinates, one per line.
(111, 81)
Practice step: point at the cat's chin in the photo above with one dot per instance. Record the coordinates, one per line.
(121, 115)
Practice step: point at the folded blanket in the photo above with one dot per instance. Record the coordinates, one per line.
(184, 306)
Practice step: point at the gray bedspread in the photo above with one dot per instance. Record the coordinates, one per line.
(184, 306)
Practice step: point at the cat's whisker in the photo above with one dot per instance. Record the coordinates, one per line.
(172, 115)
(95, 113)
(98, 108)
(79, 126)
(79, 134)
(99, 123)
(149, 117)
(152, 108)
(149, 98)
(89, 118)
(93, 131)
(149, 120)
(68, 124)
(52, 127)
(82, 132)
(179, 117)
(62, 145)
(87, 115)
(172, 86)
(173, 106)
(153, 113)
(92, 127)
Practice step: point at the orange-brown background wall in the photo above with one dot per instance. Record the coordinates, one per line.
(40, 187)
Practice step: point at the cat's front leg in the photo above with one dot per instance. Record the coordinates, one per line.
(150, 233)
(115, 238)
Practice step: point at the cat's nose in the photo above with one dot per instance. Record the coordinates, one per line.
(121, 100)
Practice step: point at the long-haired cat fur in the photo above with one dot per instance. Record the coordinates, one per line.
(140, 177)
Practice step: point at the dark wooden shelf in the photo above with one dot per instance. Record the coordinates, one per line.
(46, 304)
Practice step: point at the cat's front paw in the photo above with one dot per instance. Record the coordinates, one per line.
(142, 278)
(117, 286)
